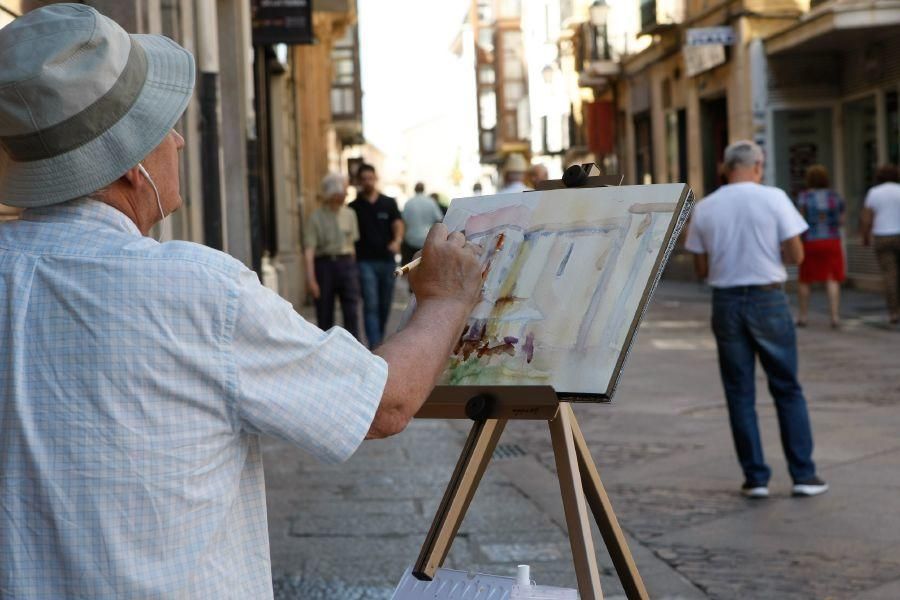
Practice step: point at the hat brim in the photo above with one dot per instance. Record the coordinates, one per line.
(94, 165)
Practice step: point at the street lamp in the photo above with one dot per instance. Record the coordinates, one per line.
(599, 11)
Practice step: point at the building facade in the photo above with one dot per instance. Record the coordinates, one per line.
(810, 84)
(259, 130)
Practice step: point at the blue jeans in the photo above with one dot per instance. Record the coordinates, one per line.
(377, 278)
(750, 322)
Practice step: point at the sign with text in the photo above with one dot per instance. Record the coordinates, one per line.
(706, 36)
(282, 22)
(698, 59)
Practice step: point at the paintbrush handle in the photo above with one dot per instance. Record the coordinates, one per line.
(401, 271)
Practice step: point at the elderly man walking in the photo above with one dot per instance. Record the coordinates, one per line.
(136, 377)
(419, 213)
(742, 234)
(329, 239)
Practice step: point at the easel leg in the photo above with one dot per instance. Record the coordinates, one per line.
(472, 463)
(606, 519)
(570, 484)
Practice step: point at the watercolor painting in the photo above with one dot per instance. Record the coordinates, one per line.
(568, 274)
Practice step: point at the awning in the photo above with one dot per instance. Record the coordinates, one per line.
(838, 26)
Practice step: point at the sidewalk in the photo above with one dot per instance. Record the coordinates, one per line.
(665, 454)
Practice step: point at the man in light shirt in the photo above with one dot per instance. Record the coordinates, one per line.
(136, 377)
(741, 235)
(514, 171)
(881, 222)
(419, 213)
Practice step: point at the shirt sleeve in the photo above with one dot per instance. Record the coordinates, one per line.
(790, 222)
(869, 202)
(694, 241)
(438, 215)
(310, 238)
(317, 390)
(354, 227)
(394, 211)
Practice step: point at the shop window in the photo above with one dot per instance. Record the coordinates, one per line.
(801, 138)
(893, 127)
(860, 155)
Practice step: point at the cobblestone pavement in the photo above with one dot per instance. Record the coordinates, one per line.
(665, 454)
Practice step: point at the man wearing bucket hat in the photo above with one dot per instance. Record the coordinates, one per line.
(136, 376)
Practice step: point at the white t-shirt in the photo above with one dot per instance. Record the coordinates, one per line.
(741, 227)
(884, 200)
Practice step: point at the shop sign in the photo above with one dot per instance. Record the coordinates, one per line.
(710, 36)
(698, 59)
(281, 22)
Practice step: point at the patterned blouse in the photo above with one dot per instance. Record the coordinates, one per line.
(822, 210)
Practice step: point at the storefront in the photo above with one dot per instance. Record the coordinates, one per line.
(833, 84)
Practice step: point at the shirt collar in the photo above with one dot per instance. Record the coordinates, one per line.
(83, 210)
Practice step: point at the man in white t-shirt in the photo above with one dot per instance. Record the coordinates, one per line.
(881, 220)
(741, 235)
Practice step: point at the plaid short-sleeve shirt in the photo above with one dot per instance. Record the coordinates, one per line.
(135, 378)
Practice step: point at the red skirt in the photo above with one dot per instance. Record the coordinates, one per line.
(824, 260)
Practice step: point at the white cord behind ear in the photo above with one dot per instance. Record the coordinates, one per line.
(162, 213)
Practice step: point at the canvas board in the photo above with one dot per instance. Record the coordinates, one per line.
(568, 275)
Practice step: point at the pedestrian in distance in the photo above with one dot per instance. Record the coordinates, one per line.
(537, 175)
(514, 171)
(329, 240)
(740, 234)
(137, 376)
(823, 261)
(380, 237)
(419, 213)
(880, 223)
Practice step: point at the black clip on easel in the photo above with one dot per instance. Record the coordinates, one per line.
(490, 407)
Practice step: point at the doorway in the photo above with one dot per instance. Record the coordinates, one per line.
(714, 137)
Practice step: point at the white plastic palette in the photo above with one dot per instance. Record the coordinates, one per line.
(461, 585)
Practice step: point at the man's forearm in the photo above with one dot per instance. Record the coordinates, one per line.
(412, 373)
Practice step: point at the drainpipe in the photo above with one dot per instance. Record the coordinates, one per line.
(208, 94)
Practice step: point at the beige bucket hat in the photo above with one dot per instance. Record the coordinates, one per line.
(82, 101)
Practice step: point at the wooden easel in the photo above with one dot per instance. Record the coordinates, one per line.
(579, 482)
(490, 407)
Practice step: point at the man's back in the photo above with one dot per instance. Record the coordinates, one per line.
(884, 201)
(419, 213)
(740, 227)
(128, 461)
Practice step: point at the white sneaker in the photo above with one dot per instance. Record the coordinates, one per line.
(751, 490)
(810, 487)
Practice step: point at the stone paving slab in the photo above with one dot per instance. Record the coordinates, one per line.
(665, 455)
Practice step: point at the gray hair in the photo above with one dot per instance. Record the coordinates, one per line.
(743, 153)
(333, 184)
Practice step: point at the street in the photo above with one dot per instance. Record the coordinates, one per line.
(665, 454)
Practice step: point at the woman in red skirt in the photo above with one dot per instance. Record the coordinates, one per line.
(823, 210)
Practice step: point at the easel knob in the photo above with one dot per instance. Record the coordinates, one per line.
(478, 407)
(576, 175)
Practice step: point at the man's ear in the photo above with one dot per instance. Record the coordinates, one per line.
(133, 177)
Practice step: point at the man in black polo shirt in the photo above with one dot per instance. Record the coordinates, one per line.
(380, 235)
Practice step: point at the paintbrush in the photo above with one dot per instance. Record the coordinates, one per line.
(401, 271)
